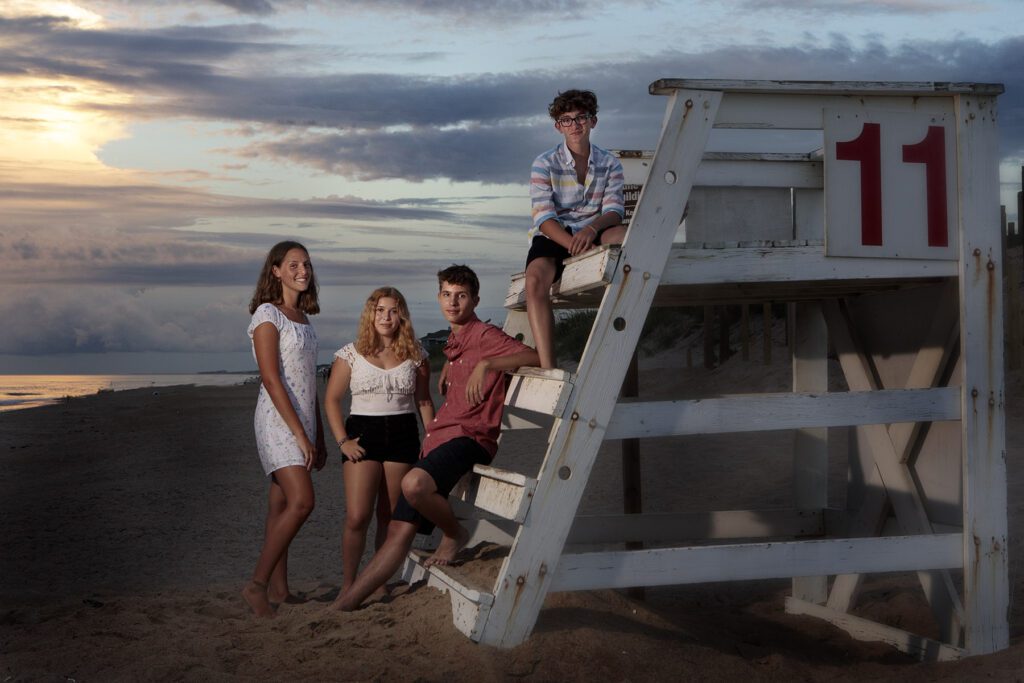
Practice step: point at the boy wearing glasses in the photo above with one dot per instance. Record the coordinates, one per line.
(576, 200)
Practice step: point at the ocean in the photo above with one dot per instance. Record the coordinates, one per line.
(30, 391)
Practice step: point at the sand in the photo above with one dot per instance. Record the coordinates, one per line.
(130, 521)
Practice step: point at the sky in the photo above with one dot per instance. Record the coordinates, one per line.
(151, 151)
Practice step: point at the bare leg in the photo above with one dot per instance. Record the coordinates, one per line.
(387, 497)
(277, 588)
(420, 490)
(614, 235)
(361, 482)
(380, 568)
(539, 276)
(298, 493)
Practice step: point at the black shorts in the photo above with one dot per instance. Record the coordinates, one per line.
(386, 438)
(546, 247)
(446, 465)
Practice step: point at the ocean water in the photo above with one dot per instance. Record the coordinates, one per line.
(30, 391)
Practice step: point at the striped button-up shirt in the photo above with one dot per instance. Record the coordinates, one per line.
(556, 193)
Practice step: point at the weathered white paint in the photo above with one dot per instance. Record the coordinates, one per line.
(506, 494)
(986, 581)
(858, 628)
(539, 390)
(748, 561)
(773, 411)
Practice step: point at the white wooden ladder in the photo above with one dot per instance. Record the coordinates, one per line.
(624, 282)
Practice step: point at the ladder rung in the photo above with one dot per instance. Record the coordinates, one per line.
(539, 390)
(503, 493)
(469, 605)
(588, 271)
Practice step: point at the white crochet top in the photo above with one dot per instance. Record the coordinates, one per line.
(380, 392)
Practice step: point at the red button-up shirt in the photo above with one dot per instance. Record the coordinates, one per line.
(474, 341)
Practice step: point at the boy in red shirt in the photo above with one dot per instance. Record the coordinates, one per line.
(464, 433)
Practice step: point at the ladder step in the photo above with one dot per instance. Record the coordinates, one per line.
(503, 493)
(470, 604)
(539, 390)
(589, 271)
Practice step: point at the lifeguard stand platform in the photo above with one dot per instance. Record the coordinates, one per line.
(893, 256)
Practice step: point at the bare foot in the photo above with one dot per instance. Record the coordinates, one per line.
(448, 549)
(255, 595)
(341, 605)
(287, 598)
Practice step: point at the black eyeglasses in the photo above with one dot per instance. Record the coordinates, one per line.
(567, 121)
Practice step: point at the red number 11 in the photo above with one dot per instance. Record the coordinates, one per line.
(866, 148)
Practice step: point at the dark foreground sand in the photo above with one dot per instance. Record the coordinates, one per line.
(131, 520)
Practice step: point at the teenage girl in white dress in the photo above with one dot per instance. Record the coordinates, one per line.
(289, 432)
(388, 374)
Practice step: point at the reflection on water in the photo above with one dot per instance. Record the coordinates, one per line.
(30, 391)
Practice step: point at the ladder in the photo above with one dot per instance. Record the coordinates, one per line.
(648, 269)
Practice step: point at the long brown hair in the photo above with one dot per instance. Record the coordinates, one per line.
(268, 287)
(368, 341)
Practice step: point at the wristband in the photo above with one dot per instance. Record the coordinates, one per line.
(342, 441)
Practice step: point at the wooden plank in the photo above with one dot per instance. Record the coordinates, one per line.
(810, 445)
(506, 494)
(794, 264)
(469, 605)
(670, 527)
(784, 112)
(540, 390)
(748, 561)
(986, 580)
(925, 649)
(666, 86)
(526, 575)
(589, 270)
(774, 411)
(804, 174)
(516, 418)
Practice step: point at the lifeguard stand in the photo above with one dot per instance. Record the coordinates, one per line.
(894, 257)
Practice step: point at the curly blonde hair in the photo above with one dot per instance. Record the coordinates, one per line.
(268, 287)
(368, 341)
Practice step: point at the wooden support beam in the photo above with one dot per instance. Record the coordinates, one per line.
(748, 561)
(539, 390)
(986, 574)
(810, 445)
(767, 412)
(923, 648)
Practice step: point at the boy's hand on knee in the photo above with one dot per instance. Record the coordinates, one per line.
(583, 240)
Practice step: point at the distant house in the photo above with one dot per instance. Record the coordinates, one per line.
(435, 339)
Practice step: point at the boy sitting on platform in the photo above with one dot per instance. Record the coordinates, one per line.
(576, 199)
(463, 434)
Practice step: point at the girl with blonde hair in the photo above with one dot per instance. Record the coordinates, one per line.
(388, 374)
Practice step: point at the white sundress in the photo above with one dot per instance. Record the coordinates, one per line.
(297, 349)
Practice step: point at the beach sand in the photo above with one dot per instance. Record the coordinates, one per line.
(132, 519)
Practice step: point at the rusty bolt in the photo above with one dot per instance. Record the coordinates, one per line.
(543, 569)
(647, 276)
(592, 423)
(977, 252)
(990, 265)
(689, 104)
(974, 393)
(575, 416)
(626, 268)
(520, 580)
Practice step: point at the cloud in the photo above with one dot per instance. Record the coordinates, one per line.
(833, 7)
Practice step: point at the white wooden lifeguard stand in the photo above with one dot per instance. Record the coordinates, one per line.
(894, 258)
